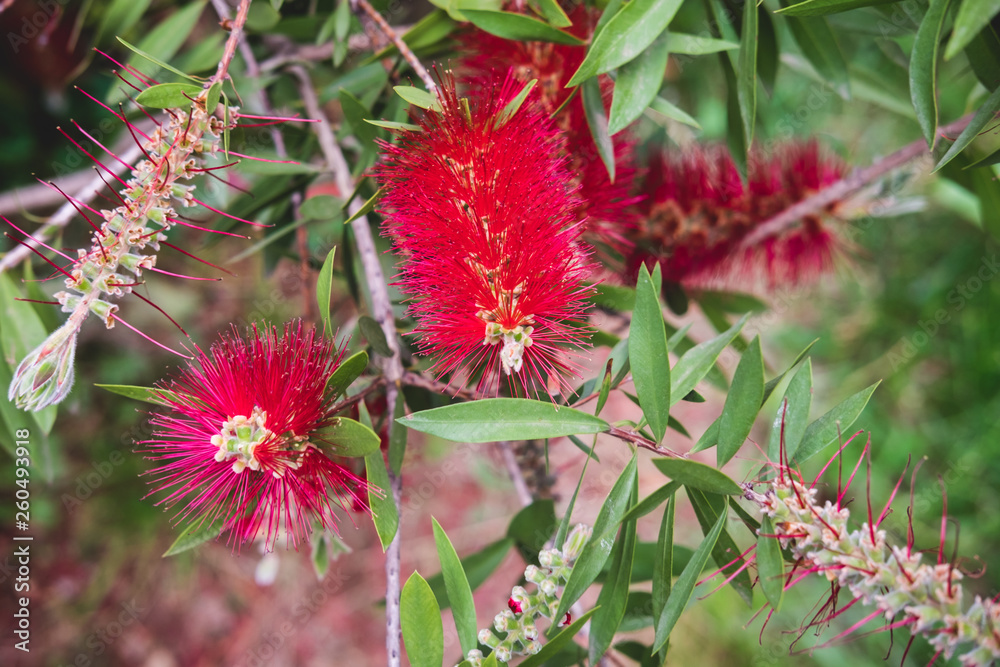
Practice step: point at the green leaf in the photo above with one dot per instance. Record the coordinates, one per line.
(615, 297)
(773, 383)
(459, 591)
(767, 50)
(819, 45)
(552, 12)
(271, 164)
(637, 85)
(972, 17)
(613, 597)
(350, 438)
(419, 98)
(746, 71)
(213, 97)
(397, 436)
(770, 564)
(320, 556)
(794, 413)
(597, 121)
(556, 644)
(373, 333)
(698, 476)
(390, 125)
(324, 287)
(385, 514)
(477, 567)
(166, 38)
(825, 430)
(696, 45)
(699, 360)
(367, 207)
(356, 114)
(602, 397)
(120, 16)
(663, 563)
(669, 110)
(347, 372)
(648, 354)
(595, 552)
(742, 404)
(192, 536)
(923, 68)
(681, 592)
(984, 115)
(822, 7)
(168, 95)
(707, 507)
(147, 394)
(508, 111)
(626, 36)
(736, 139)
(493, 419)
(652, 501)
(532, 527)
(420, 618)
(518, 26)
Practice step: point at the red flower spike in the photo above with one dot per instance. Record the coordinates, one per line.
(607, 208)
(698, 211)
(243, 445)
(483, 214)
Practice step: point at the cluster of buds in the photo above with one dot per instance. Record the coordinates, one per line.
(126, 242)
(895, 582)
(515, 629)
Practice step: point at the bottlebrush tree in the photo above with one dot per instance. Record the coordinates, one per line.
(374, 230)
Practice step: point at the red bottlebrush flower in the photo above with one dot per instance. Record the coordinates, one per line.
(481, 210)
(243, 445)
(607, 208)
(698, 211)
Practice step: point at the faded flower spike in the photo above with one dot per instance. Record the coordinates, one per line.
(514, 630)
(895, 582)
(126, 239)
(697, 212)
(243, 445)
(481, 209)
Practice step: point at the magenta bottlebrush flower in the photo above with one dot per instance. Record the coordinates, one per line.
(482, 210)
(698, 211)
(243, 444)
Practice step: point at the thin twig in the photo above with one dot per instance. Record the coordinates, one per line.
(640, 441)
(394, 37)
(417, 380)
(392, 367)
(235, 35)
(358, 397)
(515, 472)
(846, 186)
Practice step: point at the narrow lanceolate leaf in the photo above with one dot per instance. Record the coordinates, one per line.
(368, 206)
(825, 430)
(477, 567)
(746, 71)
(819, 45)
(707, 507)
(515, 104)
(420, 619)
(597, 120)
(793, 414)
(663, 565)
(670, 110)
(648, 354)
(556, 644)
(614, 593)
(770, 564)
(698, 476)
(392, 125)
(637, 85)
(518, 26)
(626, 36)
(595, 553)
(553, 13)
(324, 287)
(923, 68)
(397, 436)
(213, 97)
(493, 419)
(147, 394)
(602, 396)
(823, 7)
(773, 383)
(418, 98)
(972, 17)
(191, 537)
(347, 372)
(742, 403)
(696, 45)
(168, 95)
(698, 361)
(681, 592)
(532, 526)
(984, 115)
(350, 438)
(385, 515)
(373, 333)
(459, 592)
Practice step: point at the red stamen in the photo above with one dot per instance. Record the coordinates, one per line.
(181, 275)
(163, 312)
(232, 217)
(158, 344)
(185, 252)
(85, 152)
(35, 250)
(206, 229)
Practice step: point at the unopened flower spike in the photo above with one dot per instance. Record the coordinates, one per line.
(515, 629)
(482, 213)
(242, 446)
(897, 583)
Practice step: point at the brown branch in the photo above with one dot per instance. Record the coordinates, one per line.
(235, 34)
(846, 186)
(515, 472)
(377, 383)
(394, 37)
(417, 380)
(640, 441)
